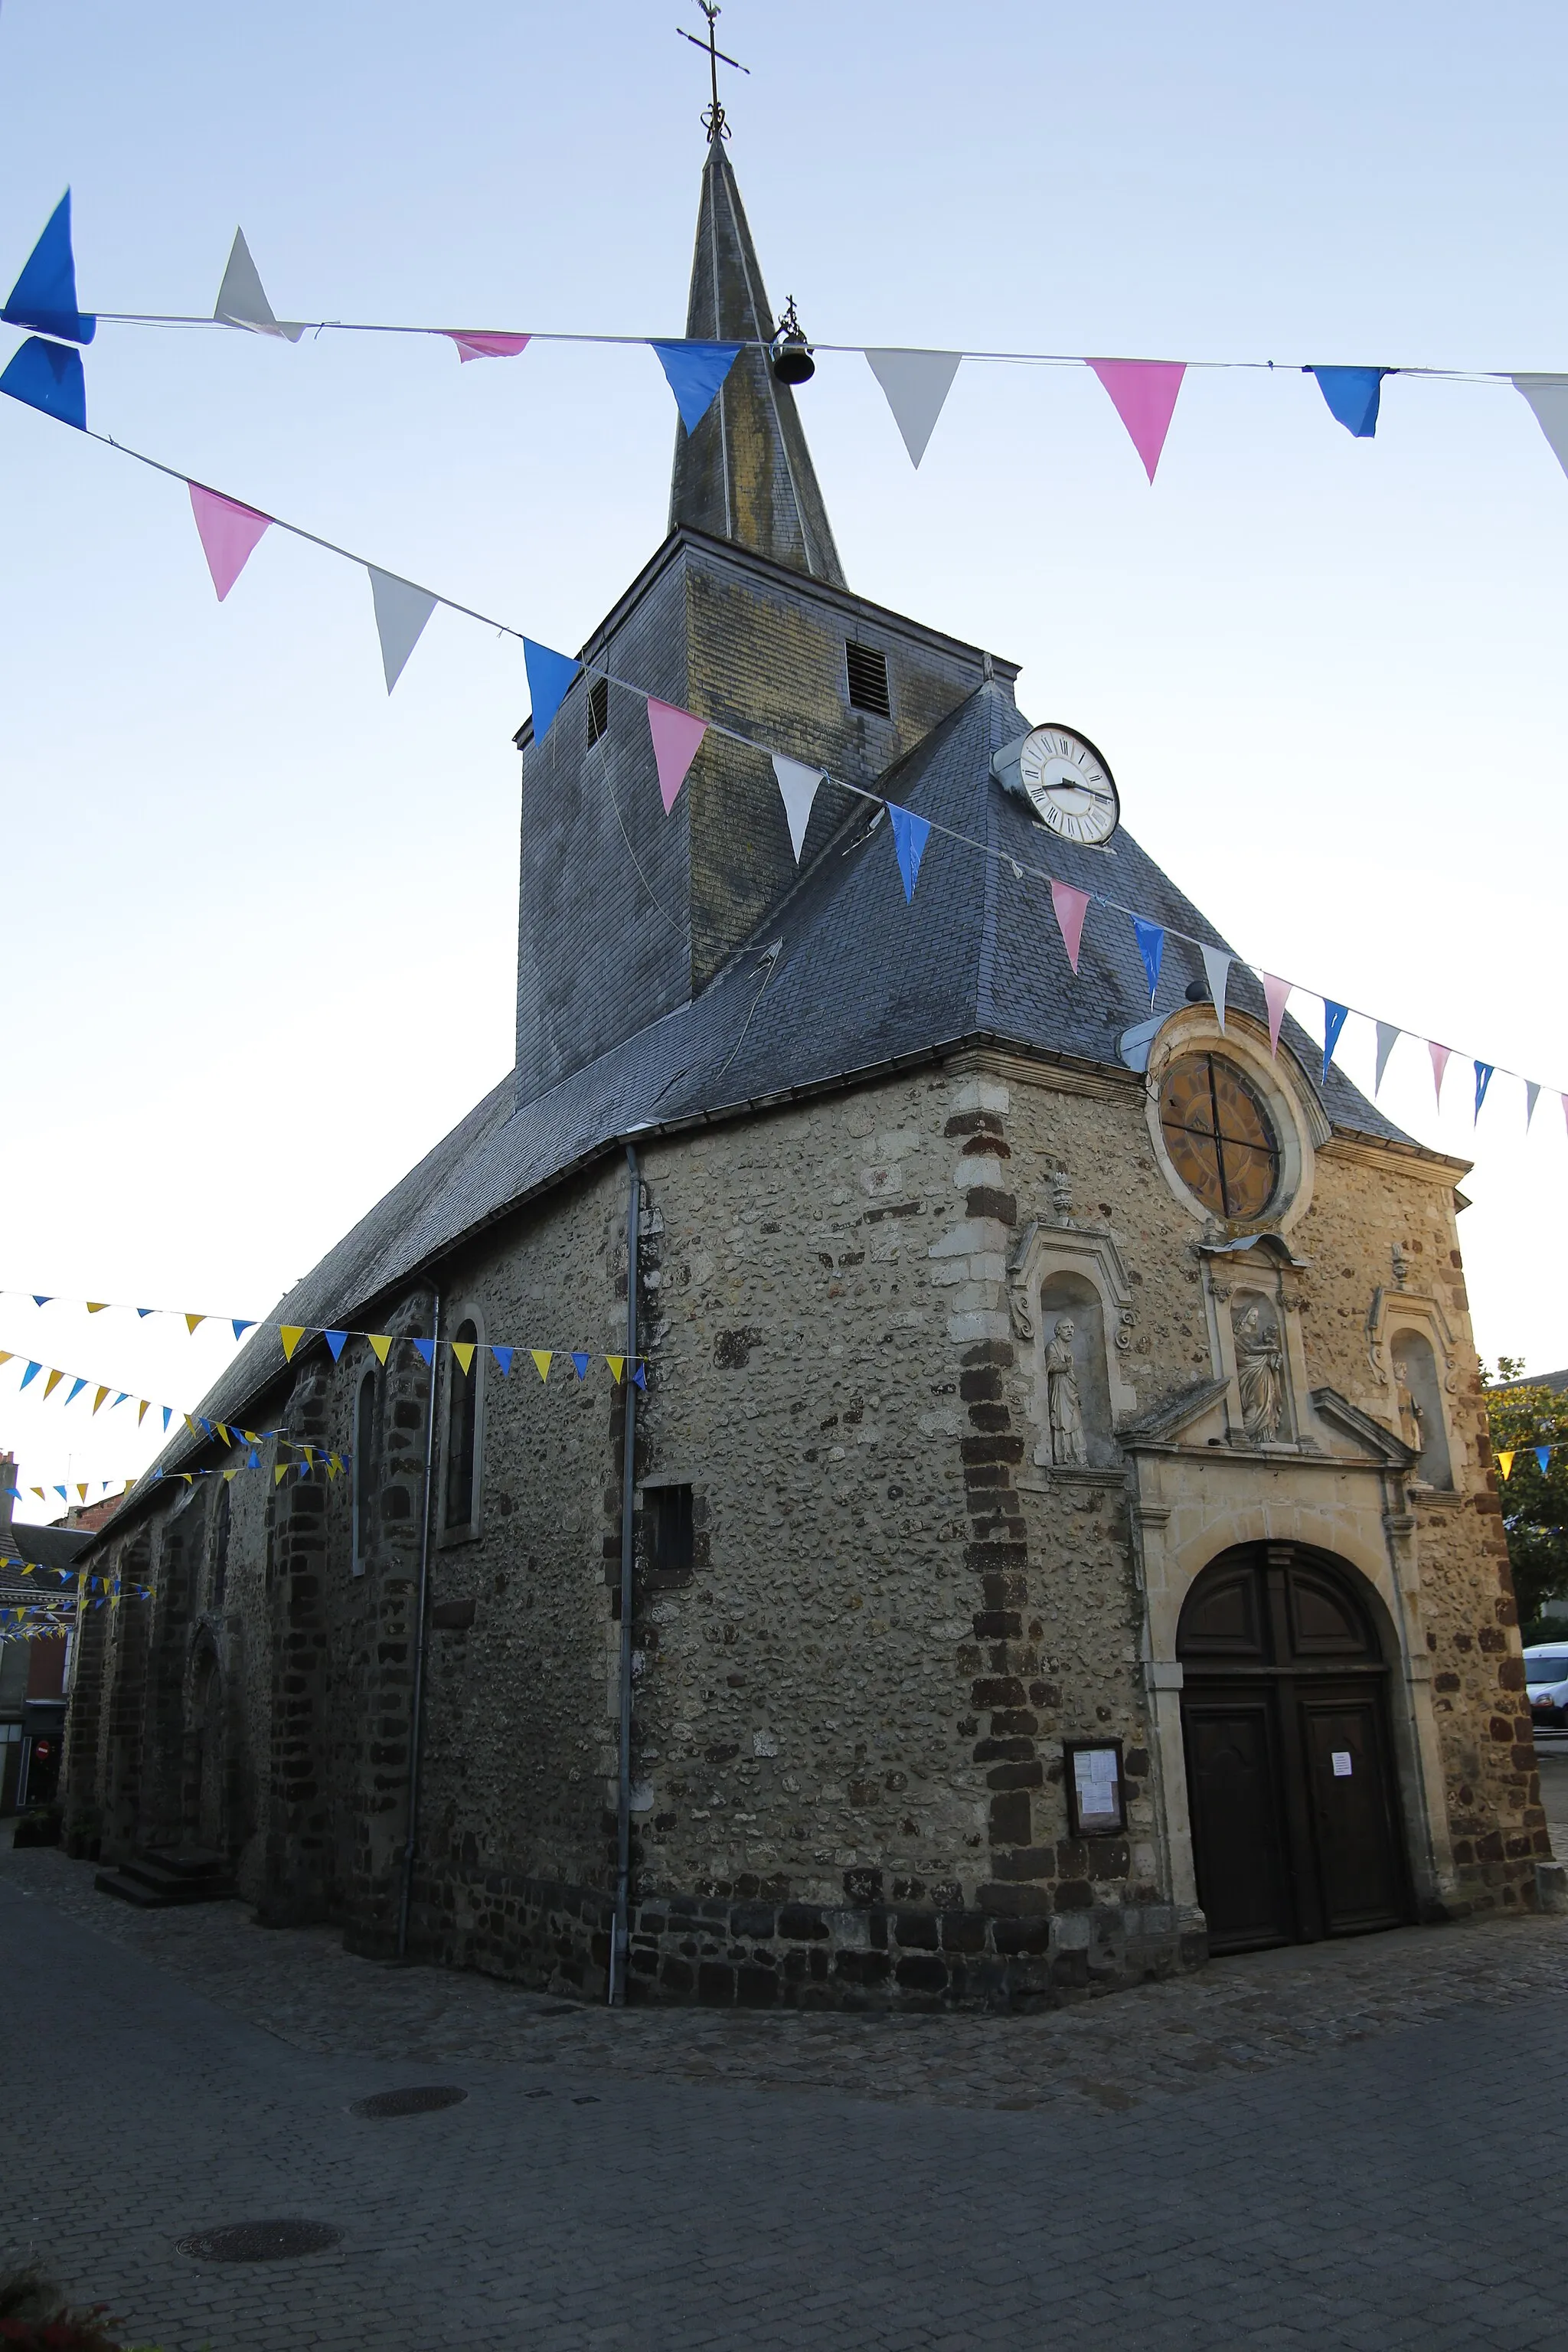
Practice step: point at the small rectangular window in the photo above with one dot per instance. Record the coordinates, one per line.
(598, 709)
(868, 680)
(671, 1547)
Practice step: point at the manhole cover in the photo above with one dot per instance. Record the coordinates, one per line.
(259, 2241)
(421, 2101)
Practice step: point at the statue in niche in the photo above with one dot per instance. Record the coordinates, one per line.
(1412, 1420)
(1260, 1370)
(1063, 1403)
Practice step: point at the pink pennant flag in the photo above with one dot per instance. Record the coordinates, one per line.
(676, 735)
(1070, 907)
(228, 533)
(485, 347)
(1144, 394)
(1276, 994)
(1439, 1064)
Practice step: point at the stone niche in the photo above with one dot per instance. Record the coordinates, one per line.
(1071, 1307)
(1412, 1356)
(1252, 1293)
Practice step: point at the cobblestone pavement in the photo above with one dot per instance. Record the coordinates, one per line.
(1342, 2148)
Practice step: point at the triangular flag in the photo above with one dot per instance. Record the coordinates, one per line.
(48, 377)
(61, 1491)
(1151, 947)
(31, 1373)
(142, 1410)
(549, 675)
(379, 1342)
(229, 1475)
(95, 1306)
(44, 294)
(1439, 1064)
(191, 1320)
(798, 787)
(1531, 1097)
(1352, 395)
(617, 1365)
(639, 1376)
(42, 1297)
(51, 1384)
(1069, 908)
(1548, 398)
(1387, 1038)
(1144, 394)
(580, 1363)
(221, 1429)
(542, 1361)
(290, 1334)
(240, 1328)
(337, 1341)
(168, 1413)
(676, 736)
(1216, 972)
(911, 834)
(190, 1425)
(279, 1473)
(482, 346)
(81, 1492)
(916, 384)
(1542, 1453)
(97, 1400)
(1483, 1080)
(426, 1350)
(464, 1351)
(503, 1357)
(694, 373)
(1276, 995)
(1504, 1460)
(230, 534)
(77, 1387)
(401, 613)
(240, 300)
(1335, 1019)
(142, 1313)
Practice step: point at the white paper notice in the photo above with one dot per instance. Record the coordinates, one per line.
(1094, 1776)
(1341, 1764)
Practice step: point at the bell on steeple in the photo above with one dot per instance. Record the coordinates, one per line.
(789, 350)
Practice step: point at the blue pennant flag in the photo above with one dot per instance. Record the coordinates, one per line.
(61, 1493)
(549, 675)
(42, 1297)
(1483, 1080)
(580, 1362)
(1541, 1453)
(142, 1313)
(695, 373)
(503, 1357)
(253, 1460)
(76, 1389)
(168, 1416)
(425, 1350)
(31, 1373)
(205, 1423)
(336, 1341)
(639, 1376)
(241, 1328)
(1352, 395)
(911, 834)
(49, 376)
(1151, 947)
(44, 294)
(1335, 1019)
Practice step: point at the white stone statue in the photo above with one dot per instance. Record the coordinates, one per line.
(1411, 1417)
(1062, 1401)
(1260, 1368)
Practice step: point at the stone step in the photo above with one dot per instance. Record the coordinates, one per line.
(155, 1881)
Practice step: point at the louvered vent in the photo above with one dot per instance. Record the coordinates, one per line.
(868, 680)
(598, 709)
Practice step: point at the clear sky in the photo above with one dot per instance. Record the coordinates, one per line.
(259, 920)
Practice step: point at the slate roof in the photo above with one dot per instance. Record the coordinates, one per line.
(861, 980)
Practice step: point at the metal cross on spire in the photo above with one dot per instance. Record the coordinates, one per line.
(713, 114)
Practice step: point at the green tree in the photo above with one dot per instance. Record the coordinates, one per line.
(1534, 1500)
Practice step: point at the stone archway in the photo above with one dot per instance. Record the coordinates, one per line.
(1290, 1774)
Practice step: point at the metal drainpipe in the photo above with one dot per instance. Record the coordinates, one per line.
(616, 1990)
(416, 1709)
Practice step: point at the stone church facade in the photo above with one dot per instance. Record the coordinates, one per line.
(1062, 1538)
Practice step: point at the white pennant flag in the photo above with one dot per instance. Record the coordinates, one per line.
(798, 789)
(1217, 970)
(241, 301)
(1531, 1097)
(1547, 397)
(401, 613)
(1387, 1038)
(916, 383)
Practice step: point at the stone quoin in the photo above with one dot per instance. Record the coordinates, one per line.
(1065, 1537)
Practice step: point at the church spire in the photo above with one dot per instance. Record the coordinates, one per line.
(745, 474)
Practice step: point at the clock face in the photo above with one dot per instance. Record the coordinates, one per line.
(1068, 785)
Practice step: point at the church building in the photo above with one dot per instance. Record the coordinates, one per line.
(1042, 1531)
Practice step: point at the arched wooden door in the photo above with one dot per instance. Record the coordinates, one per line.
(1290, 1763)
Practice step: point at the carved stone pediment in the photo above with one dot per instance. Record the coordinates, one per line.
(1378, 1444)
(1180, 1418)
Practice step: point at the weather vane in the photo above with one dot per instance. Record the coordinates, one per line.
(713, 114)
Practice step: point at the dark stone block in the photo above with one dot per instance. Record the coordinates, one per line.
(716, 1984)
(755, 1988)
(1025, 1862)
(801, 1921)
(989, 1351)
(1109, 1858)
(676, 1976)
(1015, 1937)
(998, 1690)
(998, 1625)
(1074, 1895)
(1010, 1818)
(863, 1886)
(922, 1973)
(757, 1919)
(963, 1931)
(1016, 1776)
(980, 1386)
(1002, 1751)
(1017, 1902)
(1010, 1722)
(917, 1930)
(986, 1201)
(860, 1968)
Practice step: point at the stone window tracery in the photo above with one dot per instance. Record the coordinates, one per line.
(1220, 1140)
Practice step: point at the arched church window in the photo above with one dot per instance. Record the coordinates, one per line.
(462, 1430)
(1218, 1135)
(364, 1467)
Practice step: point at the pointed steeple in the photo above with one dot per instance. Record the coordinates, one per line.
(745, 474)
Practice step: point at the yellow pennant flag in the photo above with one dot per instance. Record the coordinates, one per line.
(1505, 1461)
(617, 1365)
(95, 1306)
(279, 1473)
(541, 1359)
(381, 1341)
(52, 1383)
(191, 1320)
(464, 1351)
(6, 1354)
(290, 1334)
(142, 1412)
(308, 1452)
(82, 1493)
(37, 1490)
(190, 1425)
(250, 1437)
(97, 1400)
(222, 1429)
(228, 1474)
(332, 1467)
